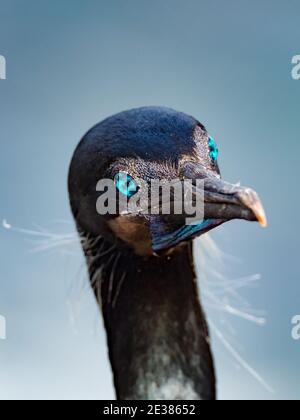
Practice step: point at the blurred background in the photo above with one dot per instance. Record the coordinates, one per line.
(71, 64)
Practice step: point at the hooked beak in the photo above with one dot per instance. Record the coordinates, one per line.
(226, 201)
(222, 202)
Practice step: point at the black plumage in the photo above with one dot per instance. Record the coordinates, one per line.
(141, 267)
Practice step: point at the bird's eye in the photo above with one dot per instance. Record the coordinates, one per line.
(126, 184)
(213, 149)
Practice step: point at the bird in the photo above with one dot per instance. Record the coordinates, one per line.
(141, 266)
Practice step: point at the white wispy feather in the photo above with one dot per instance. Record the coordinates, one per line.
(220, 294)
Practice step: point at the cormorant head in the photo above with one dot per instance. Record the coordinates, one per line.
(164, 165)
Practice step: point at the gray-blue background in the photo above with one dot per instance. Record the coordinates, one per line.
(72, 63)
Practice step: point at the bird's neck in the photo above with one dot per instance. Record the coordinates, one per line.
(156, 330)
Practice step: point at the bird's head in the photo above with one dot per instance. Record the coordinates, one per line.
(164, 165)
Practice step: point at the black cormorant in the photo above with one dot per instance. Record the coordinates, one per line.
(141, 267)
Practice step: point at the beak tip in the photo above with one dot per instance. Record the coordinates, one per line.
(252, 201)
(263, 223)
(261, 217)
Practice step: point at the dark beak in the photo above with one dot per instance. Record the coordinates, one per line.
(222, 202)
(226, 201)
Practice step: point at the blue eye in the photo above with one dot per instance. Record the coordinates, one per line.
(125, 184)
(213, 149)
